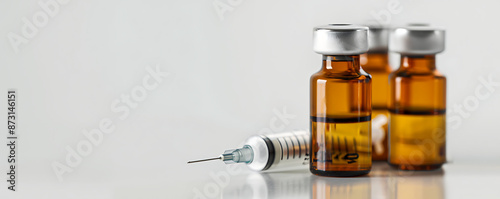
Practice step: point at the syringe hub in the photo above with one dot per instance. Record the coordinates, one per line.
(242, 155)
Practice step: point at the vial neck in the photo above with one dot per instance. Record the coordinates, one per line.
(419, 63)
(375, 61)
(341, 63)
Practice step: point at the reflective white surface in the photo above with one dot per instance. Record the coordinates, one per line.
(453, 181)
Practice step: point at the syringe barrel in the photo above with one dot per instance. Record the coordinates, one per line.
(281, 151)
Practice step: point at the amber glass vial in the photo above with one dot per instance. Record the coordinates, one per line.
(340, 103)
(417, 100)
(376, 63)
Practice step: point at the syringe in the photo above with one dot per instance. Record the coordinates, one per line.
(280, 151)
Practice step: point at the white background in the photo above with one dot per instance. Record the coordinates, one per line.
(227, 77)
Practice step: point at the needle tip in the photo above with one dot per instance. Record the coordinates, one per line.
(203, 160)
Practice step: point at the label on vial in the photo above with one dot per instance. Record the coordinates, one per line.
(378, 133)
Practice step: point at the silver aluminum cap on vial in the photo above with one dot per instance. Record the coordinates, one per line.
(417, 40)
(378, 39)
(340, 39)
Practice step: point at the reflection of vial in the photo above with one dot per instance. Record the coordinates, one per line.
(340, 103)
(376, 62)
(326, 188)
(417, 101)
(414, 185)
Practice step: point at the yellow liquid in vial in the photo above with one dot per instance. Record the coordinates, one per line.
(341, 144)
(417, 141)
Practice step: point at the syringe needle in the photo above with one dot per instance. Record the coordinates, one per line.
(203, 160)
